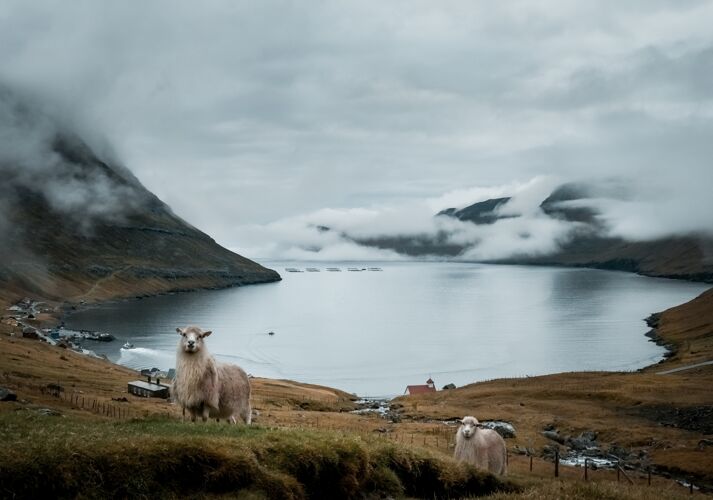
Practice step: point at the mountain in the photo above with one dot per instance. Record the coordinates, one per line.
(483, 212)
(683, 257)
(76, 227)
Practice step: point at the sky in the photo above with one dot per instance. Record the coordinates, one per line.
(257, 121)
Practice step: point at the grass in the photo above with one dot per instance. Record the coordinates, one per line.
(62, 457)
(587, 491)
(86, 454)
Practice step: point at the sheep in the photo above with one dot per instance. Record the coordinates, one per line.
(206, 387)
(483, 448)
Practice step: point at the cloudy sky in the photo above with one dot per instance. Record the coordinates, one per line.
(254, 120)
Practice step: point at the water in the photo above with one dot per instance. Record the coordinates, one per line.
(373, 333)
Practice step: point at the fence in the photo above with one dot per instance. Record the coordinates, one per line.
(438, 437)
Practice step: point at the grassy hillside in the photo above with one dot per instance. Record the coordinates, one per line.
(169, 459)
(658, 419)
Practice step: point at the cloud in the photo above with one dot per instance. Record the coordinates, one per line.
(241, 113)
(42, 154)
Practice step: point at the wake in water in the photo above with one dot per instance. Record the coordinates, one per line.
(143, 357)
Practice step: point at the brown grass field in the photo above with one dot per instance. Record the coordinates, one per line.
(661, 418)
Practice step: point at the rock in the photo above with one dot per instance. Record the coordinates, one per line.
(585, 441)
(449, 386)
(49, 412)
(549, 451)
(505, 429)
(554, 436)
(704, 443)
(519, 450)
(7, 395)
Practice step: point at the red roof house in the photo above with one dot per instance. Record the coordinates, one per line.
(421, 389)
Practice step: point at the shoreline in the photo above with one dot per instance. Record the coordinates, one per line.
(67, 309)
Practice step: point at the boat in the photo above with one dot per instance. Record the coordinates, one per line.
(128, 345)
(375, 269)
(334, 269)
(293, 270)
(312, 270)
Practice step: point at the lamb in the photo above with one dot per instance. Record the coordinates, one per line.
(206, 387)
(483, 448)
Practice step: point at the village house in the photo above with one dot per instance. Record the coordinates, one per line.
(420, 389)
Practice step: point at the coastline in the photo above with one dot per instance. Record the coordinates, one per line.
(640, 413)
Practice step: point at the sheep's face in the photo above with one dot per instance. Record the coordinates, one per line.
(468, 427)
(191, 338)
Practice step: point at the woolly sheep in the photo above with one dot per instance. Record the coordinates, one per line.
(483, 448)
(206, 387)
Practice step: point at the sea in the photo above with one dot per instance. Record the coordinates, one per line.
(372, 328)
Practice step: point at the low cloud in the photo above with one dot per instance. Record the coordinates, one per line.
(43, 154)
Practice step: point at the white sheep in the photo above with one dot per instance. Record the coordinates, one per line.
(483, 448)
(206, 387)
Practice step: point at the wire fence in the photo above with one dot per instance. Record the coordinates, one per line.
(439, 437)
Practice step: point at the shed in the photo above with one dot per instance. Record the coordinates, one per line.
(148, 389)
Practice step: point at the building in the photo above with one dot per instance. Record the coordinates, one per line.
(148, 389)
(430, 386)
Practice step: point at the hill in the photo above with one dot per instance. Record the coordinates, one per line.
(77, 226)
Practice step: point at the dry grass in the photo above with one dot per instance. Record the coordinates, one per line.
(600, 490)
(168, 459)
(622, 407)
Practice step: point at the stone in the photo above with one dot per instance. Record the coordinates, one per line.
(7, 395)
(585, 441)
(505, 429)
(554, 436)
(49, 412)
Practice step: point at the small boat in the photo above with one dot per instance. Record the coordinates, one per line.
(128, 345)
(271, 333)
(293, 270)
(312, 270)
(334, 269)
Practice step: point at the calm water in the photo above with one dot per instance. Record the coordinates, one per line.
(373, 333)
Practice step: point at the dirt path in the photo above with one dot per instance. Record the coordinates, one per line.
(684, 368)
(101, 281)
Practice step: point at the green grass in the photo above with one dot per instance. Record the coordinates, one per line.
(61, 457)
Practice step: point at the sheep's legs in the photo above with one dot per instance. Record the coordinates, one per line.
(204, 414)
(247, 415)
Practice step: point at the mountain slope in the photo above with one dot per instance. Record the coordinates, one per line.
(588, 244)
(77, 228)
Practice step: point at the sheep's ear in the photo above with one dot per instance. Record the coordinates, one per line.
(179, 331)
(205, 334)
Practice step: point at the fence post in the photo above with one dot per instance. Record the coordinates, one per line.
(649, 476)
(530, 463)
(586, 469)
(557, 462)
(618, 468)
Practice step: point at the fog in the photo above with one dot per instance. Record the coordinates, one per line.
(258, 122)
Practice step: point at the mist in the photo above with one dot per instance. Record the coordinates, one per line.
(260, 122)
